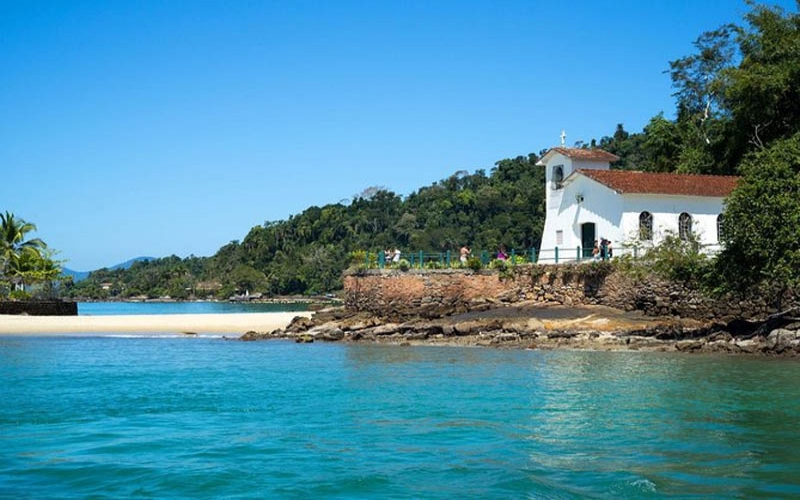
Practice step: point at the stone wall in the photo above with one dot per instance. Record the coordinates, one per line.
(40, 308)
(431, 293)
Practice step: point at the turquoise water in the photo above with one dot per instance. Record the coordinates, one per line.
(120, 308)
(189, 418)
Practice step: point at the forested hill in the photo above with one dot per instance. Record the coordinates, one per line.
(308, 252)
(737, 110)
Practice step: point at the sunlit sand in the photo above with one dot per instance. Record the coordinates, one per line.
(232, 325)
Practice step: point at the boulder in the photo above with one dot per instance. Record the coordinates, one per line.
(781, 339)
(523, 325)
(333, 334)
(387, 329)
(299, 324)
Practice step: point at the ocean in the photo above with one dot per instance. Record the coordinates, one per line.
(99, 417)
(138, 308)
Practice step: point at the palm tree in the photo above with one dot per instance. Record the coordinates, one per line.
(13, 245)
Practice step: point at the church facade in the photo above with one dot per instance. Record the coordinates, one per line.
(587, 202)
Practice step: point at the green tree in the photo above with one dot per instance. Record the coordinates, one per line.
(762, 222)
(14, 244)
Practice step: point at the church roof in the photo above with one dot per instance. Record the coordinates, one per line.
(586, 154)
(636, 182)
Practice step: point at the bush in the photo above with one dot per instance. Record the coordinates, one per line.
(517, 260)
(19, 295)
(474, 263)
(404, 265)
(504, 269)
(596, 269)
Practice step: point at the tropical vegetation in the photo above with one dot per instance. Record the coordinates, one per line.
(25, 263)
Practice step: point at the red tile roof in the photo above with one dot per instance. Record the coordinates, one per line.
(587, 154)
(629, 181)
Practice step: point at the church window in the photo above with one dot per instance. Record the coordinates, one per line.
(720, 227)
(684, 226)
(646, 226)
(558, 176)
(559, 237)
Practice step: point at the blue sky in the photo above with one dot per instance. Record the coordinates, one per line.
(173, 127)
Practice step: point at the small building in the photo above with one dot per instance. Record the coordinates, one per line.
(587, 201)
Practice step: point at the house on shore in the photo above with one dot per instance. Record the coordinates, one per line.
(587, 201)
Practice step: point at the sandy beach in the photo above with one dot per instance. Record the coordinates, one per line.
(231, 325)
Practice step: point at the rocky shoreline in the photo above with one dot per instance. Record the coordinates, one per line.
(548, 326)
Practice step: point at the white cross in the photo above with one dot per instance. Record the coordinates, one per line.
(563, 138)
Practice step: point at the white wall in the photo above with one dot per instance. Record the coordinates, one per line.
(600, 205)
(666, 210)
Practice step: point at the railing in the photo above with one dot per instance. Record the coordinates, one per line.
(558, 255)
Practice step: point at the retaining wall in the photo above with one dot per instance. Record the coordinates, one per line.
(40, 308)
(438, 292)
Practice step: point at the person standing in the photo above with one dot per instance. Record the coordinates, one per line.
(465, 251)
(501, 254)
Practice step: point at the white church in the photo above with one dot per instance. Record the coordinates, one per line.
(587, 201)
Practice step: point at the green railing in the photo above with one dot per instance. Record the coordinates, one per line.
(558, 255)
(443, 260)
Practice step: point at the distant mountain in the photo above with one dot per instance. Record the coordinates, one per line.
(76, 275)
(129, 263)
(82, 275)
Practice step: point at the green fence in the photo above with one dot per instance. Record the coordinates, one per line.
(451, 259)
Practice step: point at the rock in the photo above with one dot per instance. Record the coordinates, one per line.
(299, 324)
(522, 325)
(689, 345)
(781, 339)
(333, 335)
(251, 336)
(304, 339)
(387, 329)
(749, 346)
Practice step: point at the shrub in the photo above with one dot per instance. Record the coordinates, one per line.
(19, 295)
(517, 260)
(596, 269)
(504, 269)
(474, 263)
(403, 265)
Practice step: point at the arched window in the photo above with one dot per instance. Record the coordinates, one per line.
(720, 227)
(685, 226)
(558, 176)
(646, 226)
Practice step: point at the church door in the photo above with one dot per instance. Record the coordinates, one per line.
(587, 239)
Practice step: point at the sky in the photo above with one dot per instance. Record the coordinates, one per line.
(173, 127)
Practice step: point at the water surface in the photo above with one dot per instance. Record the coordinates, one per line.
(187, 418)
(137, 308)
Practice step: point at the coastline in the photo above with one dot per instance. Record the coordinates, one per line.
(230, 324)
(548, 327)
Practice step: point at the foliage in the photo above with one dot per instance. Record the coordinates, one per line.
(474, 263)
(672, 259)
(505, 270)
(403, 265)
(596, 269)
(25, 261)
(19, 295)
(678, 259)
(762, 217)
